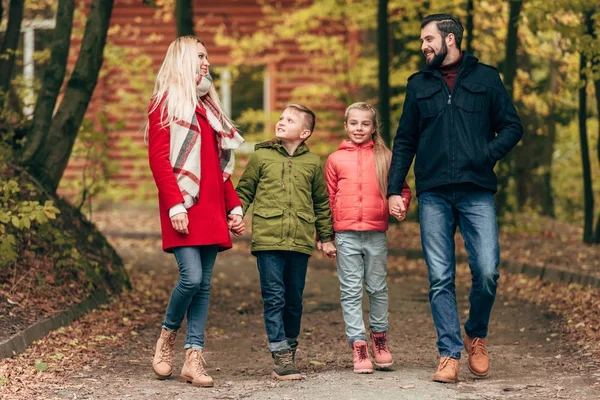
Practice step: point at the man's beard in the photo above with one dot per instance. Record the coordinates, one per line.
(438, 59)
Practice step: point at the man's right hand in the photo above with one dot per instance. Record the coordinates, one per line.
(397, 207)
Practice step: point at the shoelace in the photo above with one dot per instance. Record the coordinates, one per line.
(286, 359)
(478, 345)
(380, 343)
(363, 354)
(445, 361)
(199, 362)
(166, 350)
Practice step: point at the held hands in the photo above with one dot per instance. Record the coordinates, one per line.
(180, 223)
(397, 207)
(236, 224)
(328, 248)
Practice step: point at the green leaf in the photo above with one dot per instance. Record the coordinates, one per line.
(15, 221)
(41, 366)
(26, 222)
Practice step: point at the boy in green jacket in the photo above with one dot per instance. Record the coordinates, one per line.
(287, 185)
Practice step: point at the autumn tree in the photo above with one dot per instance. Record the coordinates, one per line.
(50, 140)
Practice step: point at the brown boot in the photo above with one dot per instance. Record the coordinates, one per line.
(447, 371)
(194, 369)
(163, 356)
(479, 362)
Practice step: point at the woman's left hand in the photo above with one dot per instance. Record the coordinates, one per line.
(236, 224)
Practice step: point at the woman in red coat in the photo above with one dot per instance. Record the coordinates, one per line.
(191, 145)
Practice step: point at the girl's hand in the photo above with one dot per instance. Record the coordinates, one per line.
(236, 224)
(397, 207)
(180, 223)
(329, 249)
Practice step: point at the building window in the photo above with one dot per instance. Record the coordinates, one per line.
(37, 34)
(244, 93)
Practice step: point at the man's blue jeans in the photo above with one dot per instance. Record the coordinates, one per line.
(191, 293)
(282, 277)
(472, 209)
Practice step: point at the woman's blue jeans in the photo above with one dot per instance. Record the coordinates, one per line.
(191, 293)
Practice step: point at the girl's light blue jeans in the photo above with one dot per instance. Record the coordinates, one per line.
(362, 257)
(191, 293)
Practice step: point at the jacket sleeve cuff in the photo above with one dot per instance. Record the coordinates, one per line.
(177, 209)
(237, 211)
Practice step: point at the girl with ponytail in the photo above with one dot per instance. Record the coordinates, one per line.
(357, 175)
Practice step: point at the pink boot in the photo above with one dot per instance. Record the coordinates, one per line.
(383, 357)
(362, 360)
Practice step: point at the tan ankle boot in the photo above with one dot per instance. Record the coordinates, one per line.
(447, 371)
(163, 356)
(194, 369)
(479, 362)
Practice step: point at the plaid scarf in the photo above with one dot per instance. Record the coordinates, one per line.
(185, 149)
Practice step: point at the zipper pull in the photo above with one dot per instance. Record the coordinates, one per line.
(449, 99)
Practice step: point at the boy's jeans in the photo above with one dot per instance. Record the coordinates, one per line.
(282, 277)
(362, 255)
(473, 210)
(191, 293)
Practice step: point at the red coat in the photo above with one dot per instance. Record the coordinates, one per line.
(208, 217)
(354, 196)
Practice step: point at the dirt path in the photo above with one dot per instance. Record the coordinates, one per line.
(530, 359)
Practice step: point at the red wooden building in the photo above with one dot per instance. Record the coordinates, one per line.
(136, 27)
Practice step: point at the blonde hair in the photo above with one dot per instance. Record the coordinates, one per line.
(383, 155)
(175, 89)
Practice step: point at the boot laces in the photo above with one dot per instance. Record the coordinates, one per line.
(166, 350)
(447, 362)
(285, 358)
(478, 346)
(363, 354)
(380, 343)
(199, 362)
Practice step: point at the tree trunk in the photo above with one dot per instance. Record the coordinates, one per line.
(184, 15)
(585, 157)
(9, 45)
(505, 167)
(54, 74)
(50, 159)
(469, 27)
(384, 72)
(596, 238)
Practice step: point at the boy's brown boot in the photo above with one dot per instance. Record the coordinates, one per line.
(479, 362)
(194, 369)
(285, 368)
(447, 371)
(163, 355)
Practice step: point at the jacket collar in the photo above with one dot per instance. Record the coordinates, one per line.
(349, 145)
(276, 145)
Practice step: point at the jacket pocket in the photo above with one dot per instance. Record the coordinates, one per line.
(305, 229)
(472, 97)
(267, 225)
(431, 102)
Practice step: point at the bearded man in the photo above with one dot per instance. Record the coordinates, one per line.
(458, 120)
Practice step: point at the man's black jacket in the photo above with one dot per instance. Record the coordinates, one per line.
(454, 135)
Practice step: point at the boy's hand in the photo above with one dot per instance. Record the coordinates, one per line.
(329, 249)
(236, 224)
(319, 245)
(397, 207)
